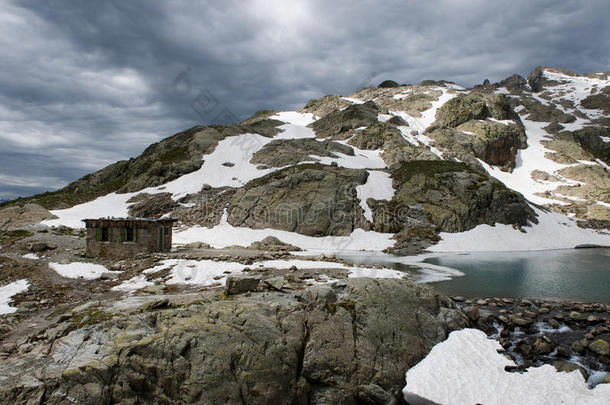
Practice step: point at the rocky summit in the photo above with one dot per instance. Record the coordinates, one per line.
(258, 300)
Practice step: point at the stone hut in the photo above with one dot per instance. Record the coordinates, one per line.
(125, 237)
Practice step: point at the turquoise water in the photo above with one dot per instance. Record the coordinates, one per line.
(574, 274)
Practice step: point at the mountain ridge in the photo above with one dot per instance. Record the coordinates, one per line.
(538, 138)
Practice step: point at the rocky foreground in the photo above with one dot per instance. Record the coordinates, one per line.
(349, 342)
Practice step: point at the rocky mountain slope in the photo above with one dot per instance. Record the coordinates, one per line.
(408, 163)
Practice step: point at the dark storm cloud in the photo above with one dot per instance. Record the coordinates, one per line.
(83, 84)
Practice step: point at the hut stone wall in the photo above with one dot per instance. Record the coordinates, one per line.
(127, 237)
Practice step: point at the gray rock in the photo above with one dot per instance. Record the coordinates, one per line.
(372, 394)
(334, 344)
(241, 284)
(38, 247)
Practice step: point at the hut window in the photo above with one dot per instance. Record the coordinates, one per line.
(105, 234)
(128, 234)
(167, 231)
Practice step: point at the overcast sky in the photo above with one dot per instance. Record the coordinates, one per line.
(86, 83)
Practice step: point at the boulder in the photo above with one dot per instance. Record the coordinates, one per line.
(493, 142)
(241, 284)
(271, 243)
(600, 347)
(37, 247)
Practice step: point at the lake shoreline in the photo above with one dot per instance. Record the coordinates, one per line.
(570, 335)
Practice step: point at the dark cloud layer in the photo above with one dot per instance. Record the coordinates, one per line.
(83, 84)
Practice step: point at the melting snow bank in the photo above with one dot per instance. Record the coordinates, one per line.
(88, 271)
(7, 292)
(553, 231)
(467, 369)
(225, 234)
(205, 272)
(208, 272)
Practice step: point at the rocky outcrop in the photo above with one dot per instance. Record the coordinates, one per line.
(545, 113)
(514, 83)
(387, 84)
(204, 208)
(340, 124)
(327, 104)
(599, 101)
(287, 152)
(538, 81)
(492, 142)
(310, 199)
(273, 244)
(474, 106)
(455, 197)
(16, 217)
(462, 126)
(395, 148)
(329, 344)
(151, 205)
(590, 139)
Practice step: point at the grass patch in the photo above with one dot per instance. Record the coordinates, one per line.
(177, 154)
(91, 317)
(10, 237)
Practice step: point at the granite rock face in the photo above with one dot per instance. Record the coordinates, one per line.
(311, 199)
(340, 343)
(340, 124)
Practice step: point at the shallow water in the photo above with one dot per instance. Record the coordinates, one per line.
(570, 274)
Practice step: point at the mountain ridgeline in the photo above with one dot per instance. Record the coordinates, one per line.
(455, 158)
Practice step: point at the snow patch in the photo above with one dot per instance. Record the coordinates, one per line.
(553, 231)
(467, 369)
(8, 291)
(88, 271)
(133, 284)
(224, 234)
(378, 186)
(31, 256)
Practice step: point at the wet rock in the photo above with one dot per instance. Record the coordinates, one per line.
(523, 347)
(600, 347)
(543, 345)
(568, 367)
(519, 321)
(575, 316)
(472, 312)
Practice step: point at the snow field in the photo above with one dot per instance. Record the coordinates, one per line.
(467, 369)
